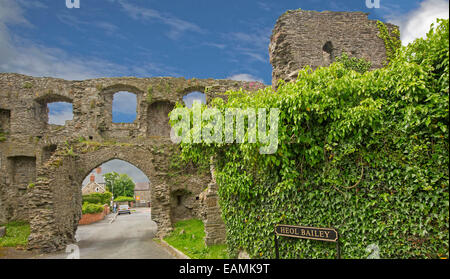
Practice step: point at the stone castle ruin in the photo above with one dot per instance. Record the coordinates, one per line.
(42, 166)
(302, 38)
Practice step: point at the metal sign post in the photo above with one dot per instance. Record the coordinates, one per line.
(320, 234)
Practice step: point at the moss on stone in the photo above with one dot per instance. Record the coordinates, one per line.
(149, 98)
(41, 179)
(27, 85)
(70, 152)
(88, 143)
(56, 163)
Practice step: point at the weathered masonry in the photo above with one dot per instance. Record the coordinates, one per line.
(43, 165)
(302, 38)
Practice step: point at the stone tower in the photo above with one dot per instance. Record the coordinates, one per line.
(302, 38)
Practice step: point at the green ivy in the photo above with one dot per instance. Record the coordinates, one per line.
(365, 153)
(359, 65)
(391, 40)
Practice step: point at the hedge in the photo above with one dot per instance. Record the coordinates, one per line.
(365, 153)
(124, 199)
(90, 208)
(98, 198)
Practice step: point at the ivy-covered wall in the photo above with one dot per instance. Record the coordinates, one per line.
(365, 153)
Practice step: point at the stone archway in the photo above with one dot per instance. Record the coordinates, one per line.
(141, 158)
(57, 195)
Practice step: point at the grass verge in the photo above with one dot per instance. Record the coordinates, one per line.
(188, 237)
(17, 233)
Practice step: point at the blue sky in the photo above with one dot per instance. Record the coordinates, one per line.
(202, 39)
(147, 38)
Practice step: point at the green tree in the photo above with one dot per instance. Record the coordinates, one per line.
(119, 184)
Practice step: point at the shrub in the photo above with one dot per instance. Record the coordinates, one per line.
(92, 199)
(90, 208)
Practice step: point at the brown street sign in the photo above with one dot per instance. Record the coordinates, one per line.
(322, 234)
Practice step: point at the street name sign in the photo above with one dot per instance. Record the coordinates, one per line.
(321, 234)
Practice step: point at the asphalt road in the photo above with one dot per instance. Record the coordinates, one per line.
(128, 237)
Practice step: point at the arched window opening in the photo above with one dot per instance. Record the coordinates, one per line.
(192, 97)
(124, 107)
(59, 113)
(328, 55)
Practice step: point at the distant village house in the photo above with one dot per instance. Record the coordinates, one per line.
(96, 183)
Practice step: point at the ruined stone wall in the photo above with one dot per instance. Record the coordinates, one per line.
(42, 165)
(302, 38)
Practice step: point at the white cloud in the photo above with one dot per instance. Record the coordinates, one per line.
(83, 25)
(216, 45)
(11, 12)
(245, 77)
(253, 45)
(417, 23)
(177, 25)
(35, 60)
(264, 6)
(32, 4)
(124, 102)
